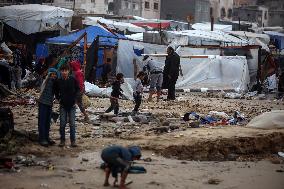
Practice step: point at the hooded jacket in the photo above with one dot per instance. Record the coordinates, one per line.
(78, 74)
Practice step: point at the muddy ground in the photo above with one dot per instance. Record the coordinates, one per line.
(232, 156)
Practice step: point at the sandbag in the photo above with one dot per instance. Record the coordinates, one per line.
(268, 120)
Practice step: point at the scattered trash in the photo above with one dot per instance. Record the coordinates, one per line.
(281, 154)
(190, 116)
(44, 185)
(233, 95)
(213, 118)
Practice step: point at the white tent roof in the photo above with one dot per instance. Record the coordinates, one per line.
(264, 37)
(122, 26)
(207, 27)
(210, 37)
(33, 18)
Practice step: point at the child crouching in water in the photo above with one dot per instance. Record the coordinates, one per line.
(137, 93)
(115, 94)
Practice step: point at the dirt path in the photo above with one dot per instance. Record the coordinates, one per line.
(73, 173)
(246, 146)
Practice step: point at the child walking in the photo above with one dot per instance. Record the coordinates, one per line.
(137, 93)
(115, 94)
(45, 104)
(67, 91)
(79, 76)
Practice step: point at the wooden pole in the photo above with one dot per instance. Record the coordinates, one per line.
(258, 76)
(212, 23)
(66, 50)
(85, 53)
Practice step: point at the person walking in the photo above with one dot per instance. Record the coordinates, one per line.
(115, 94)
(137, 92)
(156, 76)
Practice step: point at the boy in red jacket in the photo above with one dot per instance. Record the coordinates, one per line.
(79, 76)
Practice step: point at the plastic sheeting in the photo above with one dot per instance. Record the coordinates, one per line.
(199, 37)
(35, 18)
(95, 91)
(121, 26)
(215, 72)
(106, 38)
(207, 27)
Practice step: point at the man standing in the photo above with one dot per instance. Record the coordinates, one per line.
(156, 76)
(17, 68)
(171, 72)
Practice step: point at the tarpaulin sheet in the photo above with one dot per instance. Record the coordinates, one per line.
(35, 18)
(109, 39)
(215, 72)
(95, 91)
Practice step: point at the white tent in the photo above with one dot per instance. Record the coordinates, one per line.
(33, 18)
(256, 38)
(199, 37)
(122, 26)
(214, 72)
(207, 27)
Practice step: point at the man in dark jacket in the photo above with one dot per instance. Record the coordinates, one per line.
(171, 72)
(67, 91)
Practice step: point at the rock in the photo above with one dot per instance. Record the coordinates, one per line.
(119, 119)
(148, 159)
(87, 135)
(166, 123)
(232, 157)
(194, 124)
(85, 159)
(216, 156)
(275, 161)
(214, 181)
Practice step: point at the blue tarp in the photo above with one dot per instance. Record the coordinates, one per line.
(92, 33)
(41, 50)
(277, 37)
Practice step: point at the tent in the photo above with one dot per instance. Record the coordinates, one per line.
(106, 38)
(120, 26)
(200, 37)
(212, 72)
(33, 18)
(207, 27)
(277, 37)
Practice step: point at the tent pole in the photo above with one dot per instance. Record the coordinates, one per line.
(258, 76)
(66, 51)
(96, 57)
(85, 54)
